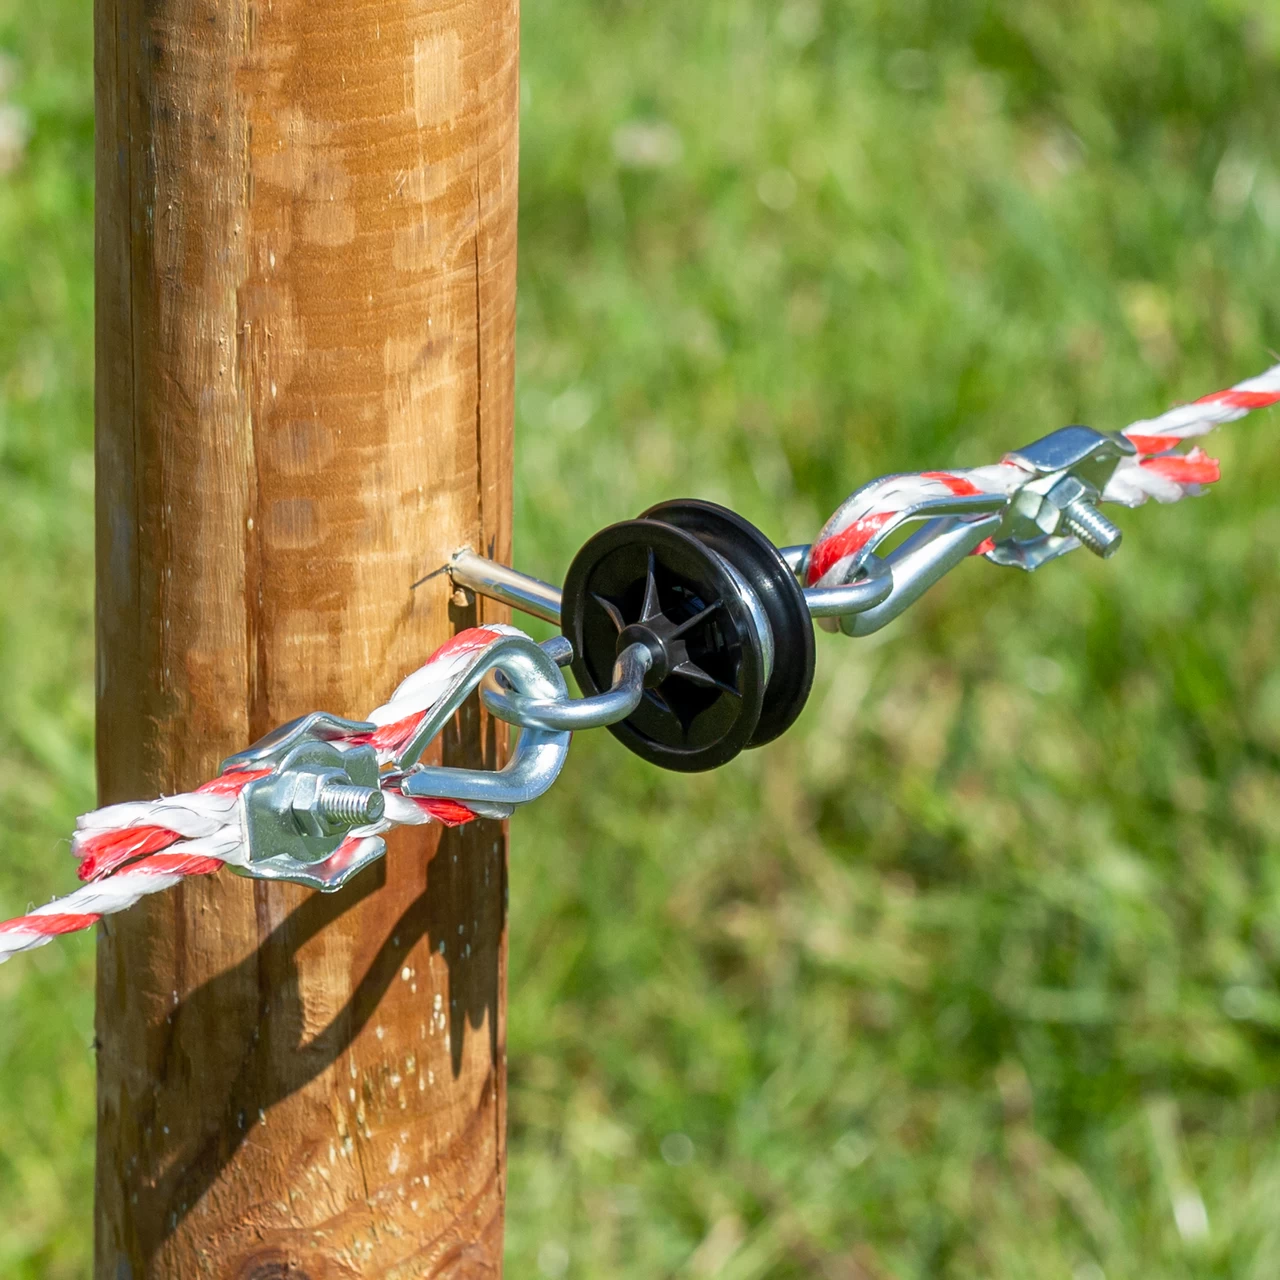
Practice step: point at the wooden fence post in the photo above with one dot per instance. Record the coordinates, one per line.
(306, 217)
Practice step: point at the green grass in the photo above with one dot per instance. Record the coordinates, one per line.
(46, 636)
(977, 972)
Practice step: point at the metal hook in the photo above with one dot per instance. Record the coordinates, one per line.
(896, 581)
(621, 699)
(539, 754)
(853, 597)
(963, 505)
(925, 557)
(1051, 514)
(298, 817)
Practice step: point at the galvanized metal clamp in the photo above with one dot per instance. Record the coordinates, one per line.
(1051, 514)
(1057, 511)
(297, 816)
(326, 782)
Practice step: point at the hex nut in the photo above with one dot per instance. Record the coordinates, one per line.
(305, 800)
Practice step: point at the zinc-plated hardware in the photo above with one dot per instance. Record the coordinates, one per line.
(580, 713)
(1056, 511)
(559, 649)
(272, 747)
(297, 816)
(854, 597)
(325, 806)
(871, 589)
(924, 558)
(499, 582)
(1081, 517)
(952, 504)
(1089, 455)
(539, 754)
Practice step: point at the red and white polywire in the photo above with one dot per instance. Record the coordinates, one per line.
(1155, 471)
(129, 850)
(126, 851)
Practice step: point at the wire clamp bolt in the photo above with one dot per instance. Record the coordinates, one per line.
(298, 815)
(1056, 510)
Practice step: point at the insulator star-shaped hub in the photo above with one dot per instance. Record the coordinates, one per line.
(722, 617)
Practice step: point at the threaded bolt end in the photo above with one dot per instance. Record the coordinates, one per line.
(1093, 529)
(351, 806)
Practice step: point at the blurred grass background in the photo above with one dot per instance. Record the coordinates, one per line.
(977, 972)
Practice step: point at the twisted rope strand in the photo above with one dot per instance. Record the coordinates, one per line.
(1155, 471)
(126, 851)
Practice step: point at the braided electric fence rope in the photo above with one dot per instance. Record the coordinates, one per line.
(126, 851)
(1154, 471)
(119, 847)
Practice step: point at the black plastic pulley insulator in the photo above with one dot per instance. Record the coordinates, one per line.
(724, 621)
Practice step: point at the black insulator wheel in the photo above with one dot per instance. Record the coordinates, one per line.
(707, 594)
(776, 588)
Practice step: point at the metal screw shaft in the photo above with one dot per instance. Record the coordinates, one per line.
(1093, 529)
(351, 806)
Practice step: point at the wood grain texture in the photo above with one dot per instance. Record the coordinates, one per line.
(306, 299)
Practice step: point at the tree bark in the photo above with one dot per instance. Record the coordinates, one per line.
(306, 216)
